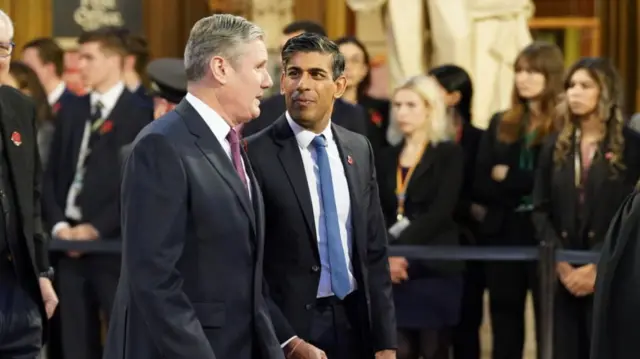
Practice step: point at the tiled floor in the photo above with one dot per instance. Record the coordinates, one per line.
(530, 351)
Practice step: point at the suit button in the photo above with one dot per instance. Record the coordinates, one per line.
(308, 306)
(564, 234)
(591, 234)
(315, 268)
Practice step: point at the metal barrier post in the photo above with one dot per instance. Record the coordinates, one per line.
(547, 270)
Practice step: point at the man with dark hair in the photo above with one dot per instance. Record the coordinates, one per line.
(349, 116)
(82, 187)
(135, 64)
(46, 58)
(326, 261)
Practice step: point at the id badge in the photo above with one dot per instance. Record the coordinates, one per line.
(399, 227)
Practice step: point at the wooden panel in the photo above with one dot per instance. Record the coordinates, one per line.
(31, 19)
(335, 18)
(546, 8)
(313, 10)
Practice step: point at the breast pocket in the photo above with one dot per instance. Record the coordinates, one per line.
(210, 315)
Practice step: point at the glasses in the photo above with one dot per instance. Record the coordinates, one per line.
(6, 48)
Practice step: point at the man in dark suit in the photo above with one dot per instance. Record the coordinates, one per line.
(82, 187)
(27, 298)
(325, 242)
(350, 116)
(46, 58)
(193, 218)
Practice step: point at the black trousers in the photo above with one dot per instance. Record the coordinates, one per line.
(572, 324)
(20, 318)
(335, 328)
(466, 335)
(509, 284)
(424, 344)
(87, 288)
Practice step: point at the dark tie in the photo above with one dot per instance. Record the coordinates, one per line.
(340, 284)
(236, 157)
(96, 117)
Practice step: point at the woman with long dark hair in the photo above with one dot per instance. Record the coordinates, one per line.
(457, 90)
(585, 173)
(506, 161)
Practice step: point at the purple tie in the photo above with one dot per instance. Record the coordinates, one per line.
(236, 157)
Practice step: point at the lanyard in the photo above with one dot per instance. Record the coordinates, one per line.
(577, 159)
(403, 182)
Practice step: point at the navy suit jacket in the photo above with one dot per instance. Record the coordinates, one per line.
(191, 283)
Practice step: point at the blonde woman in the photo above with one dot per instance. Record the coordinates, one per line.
(420, 181)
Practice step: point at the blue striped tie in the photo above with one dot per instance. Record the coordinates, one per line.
(340, 284)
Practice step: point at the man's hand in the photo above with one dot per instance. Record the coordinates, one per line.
(299, 349)
(478, 212)
(499, 172)
(49, 296)
(582, 280)
(85, 232)
(64, 233)
(386, 354)
(398, 268)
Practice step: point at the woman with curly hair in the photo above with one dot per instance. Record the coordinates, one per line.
(584, 174)
(505, 164)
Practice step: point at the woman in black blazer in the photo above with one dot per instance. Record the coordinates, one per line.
(457, 89)
(419, 182)
(506, 161)
(585, 173)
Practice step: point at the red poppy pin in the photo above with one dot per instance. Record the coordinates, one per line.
(349, 159)
(245, 144)
(56, 108)
(376, 118)
(608, 156)
(106, 127)
(16, 138)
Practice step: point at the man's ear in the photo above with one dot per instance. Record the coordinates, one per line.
(341, 86)
(219, 68)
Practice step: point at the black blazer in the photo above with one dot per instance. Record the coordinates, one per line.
(101, 188)
(378, 118)
(351, 117)
(292, 261)
(556, 197)
(191, 283)
(469, 142)
(18, 115)
(431, 196)
(500, 198)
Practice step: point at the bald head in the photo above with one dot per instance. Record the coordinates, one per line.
(6, 27)
(6, 46)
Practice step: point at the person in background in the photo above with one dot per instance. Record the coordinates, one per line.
(585, 173)
(27, 297)
(46, 58)
(352, 117)
(135, 64)
(457, 90)
(506, 162)
(420, 181)
(358, 72)
(23, 78)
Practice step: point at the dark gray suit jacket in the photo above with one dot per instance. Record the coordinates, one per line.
(191, 283)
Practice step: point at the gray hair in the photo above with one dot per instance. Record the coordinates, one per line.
(5, 21)
(217, 35)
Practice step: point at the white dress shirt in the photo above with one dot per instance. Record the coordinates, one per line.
(219, 127)
(109, 100)
(54, 96)
(341, 193)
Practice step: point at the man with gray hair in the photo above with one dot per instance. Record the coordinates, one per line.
(192, 214)
(27, 298)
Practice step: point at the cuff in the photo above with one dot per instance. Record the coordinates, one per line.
(58, 226)
(287, 342)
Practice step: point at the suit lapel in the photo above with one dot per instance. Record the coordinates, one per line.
(351, 170)
(208, 144)
(117, 115)
(596, 177)
(428, 157)
(256, 199)
(291, 161)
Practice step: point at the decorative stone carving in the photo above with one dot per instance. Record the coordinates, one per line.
(272, 16)
(365, 5)
(236, 7)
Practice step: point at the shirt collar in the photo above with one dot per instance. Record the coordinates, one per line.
(108, 98)
(57, 92)
(216, 123)
(304, 136)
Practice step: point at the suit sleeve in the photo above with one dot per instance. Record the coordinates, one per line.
(359, 121)
(541, 216)
(382, 306)
(40, 239)
(154, 217)
(426, 225)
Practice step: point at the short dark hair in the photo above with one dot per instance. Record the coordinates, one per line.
(310, 42)
(304, 26)
(49, 52)
(109, 38)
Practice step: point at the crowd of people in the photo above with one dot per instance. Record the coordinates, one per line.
(306, 189)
